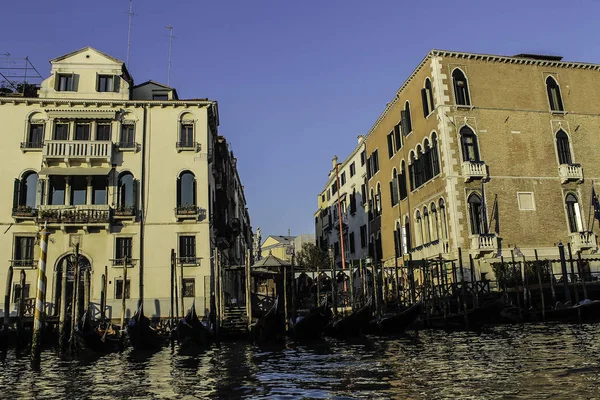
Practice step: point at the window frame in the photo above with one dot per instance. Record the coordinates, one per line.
(475, 217)
(554, 90)
(127, 288)
(28, 259)
(184, 257)
(184, 289)
(113, 83)
(467, 131)
(466, 93)
(127, 129)
(70, 79)
(573, 209)
(563, 147)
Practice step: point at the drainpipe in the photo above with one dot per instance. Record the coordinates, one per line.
(143, 206)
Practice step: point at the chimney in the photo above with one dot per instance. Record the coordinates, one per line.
(360, 139)
(334, 161)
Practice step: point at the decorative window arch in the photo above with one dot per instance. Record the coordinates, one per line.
(372, 210)
(406, 121)
(394, 187)
(186, 190)
(418, 229)
(427, 165)
(397, 240)
(554, 97)
(469, 145)
(25, 195)
(461, 88)
(411, 171)
(419, 168)
(427, 98)
(402, 181)
(378, 199)
(563, 148)
(573, 213)
(426, 226)
(475, 217)
(435, 233)
(443, 219)
(34, 137)
(435, 159)
(186, 138)
(127, 194)
(407, 235)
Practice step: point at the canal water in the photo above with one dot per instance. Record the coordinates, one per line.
(531, 361)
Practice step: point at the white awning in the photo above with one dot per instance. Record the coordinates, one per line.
(75, 171)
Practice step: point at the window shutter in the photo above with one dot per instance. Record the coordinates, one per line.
(392, 193)
(404, 122)
(178, 192)
(40, 191)
(116, 83)
(425, 105)
(135, 194)
(194, 192)
(397, 137)
(16, 193)
(74, 82)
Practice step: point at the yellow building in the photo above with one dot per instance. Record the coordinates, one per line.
(486, 153)
(125, 172)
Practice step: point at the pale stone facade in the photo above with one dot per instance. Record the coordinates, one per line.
(352, 194)
(508, 148)
(126, 171)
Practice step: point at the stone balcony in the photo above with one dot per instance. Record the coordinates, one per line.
(78, 151)
(583, 240)
(432, 249)
(570, 172)
(472, 170)
(80, 216)
(484, 243)
(336, 223)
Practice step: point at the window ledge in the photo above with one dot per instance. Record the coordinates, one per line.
(188, 146)
(119, 262)
(26, 147)
(558, 112)
(128, 147)
(464, 107)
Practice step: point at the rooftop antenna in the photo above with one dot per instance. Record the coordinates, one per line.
(129, 31)
(171, 37)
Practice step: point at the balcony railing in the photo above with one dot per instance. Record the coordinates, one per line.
(133, 146)
(32, 145)
(474, 170)
(484, 242)
(24, 212)
(121, 212)
(583, 240)
(188, 260)
(570, 172)
(119, 262)
(185, 145)
(87, 150)
(23, 263)
(74, 215)
(344, 222)
(187, 212)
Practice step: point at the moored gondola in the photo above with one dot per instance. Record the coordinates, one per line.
(353, 324)
(141, 334)
(401, 321)
(191, 332)
(97, 336)
(270, 327)
(314, 324)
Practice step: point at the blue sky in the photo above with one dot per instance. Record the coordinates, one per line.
(296, 81)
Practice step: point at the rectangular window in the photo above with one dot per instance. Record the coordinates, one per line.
(99, 185)
(186, 135)
(160, 97)
(526, 201)
(363, 158)
(61, 132)
(363, 193)
(187, 249)
(363, 236)
(57, 191)
(123, 248)
(119, 289)
(343, 179)
(334, 188)
(336, 249)
(82, 132)
(374, 162)
(127, 139)
(352, 247)
(390, 142)
(17, 292)
(78, 190)
(23, 252)
(353, 202)
(106, 83)
(323, 198)
(397, 137)
(36, 136)
(189, 287)
(65, 83)
(352, 169)
(103, 132)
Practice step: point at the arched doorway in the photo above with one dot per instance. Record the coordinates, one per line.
(67, 264)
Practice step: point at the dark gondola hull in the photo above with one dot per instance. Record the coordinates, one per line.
(141, 334)
(191, 332)
(270, 327)
(486, 314)
(314, 324)
(400, 322)
(353, 324)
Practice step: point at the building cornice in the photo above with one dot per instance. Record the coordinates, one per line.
(110, 103)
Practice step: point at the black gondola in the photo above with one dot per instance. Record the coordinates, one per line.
(486, 314)
(401, 321)
(191, 331)
(97, 336)
(270, 327)
(314, 324)
(141, 334)
(353, 324)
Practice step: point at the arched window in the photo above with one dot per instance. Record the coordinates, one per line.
(25, 192)
(435, 160)
(428, 167)
(563, 148)
(186, 132)
(411, 171)
(372, 211)
(402, 181)
(378, 199)
(418, 229)
(394, 188)
(435, 234)
(397, 244)
(127, 188)
(443, 219)
(406, 122)
(468, 142)
(407, 235)
(554, 96)
(419, 172)
(461, 89)
(427, 98)
(573, 213)
(475, 214)
(426, 227)
(186, 190)
(35, 132)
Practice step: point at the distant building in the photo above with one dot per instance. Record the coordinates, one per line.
(256, 241)
(279, 246)
(352, 195)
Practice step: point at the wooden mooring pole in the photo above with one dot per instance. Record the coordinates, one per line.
(514, 268)
(124, 297)
(565, 274)
(103, 296)
(86, 289)
(539, 276)
(62, 323)
(21, 318)
(173, 318)
(474, 282)
(74, 298)
(40, 298)
(334, 288)
(463, 287)
(248, 289)
(9, 278)
(352, 285)
(285, 298)
(582, 274)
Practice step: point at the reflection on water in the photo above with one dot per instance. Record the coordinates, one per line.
(534, 361)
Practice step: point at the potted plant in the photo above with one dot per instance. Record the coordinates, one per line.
(188, 209)
(24, 211)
